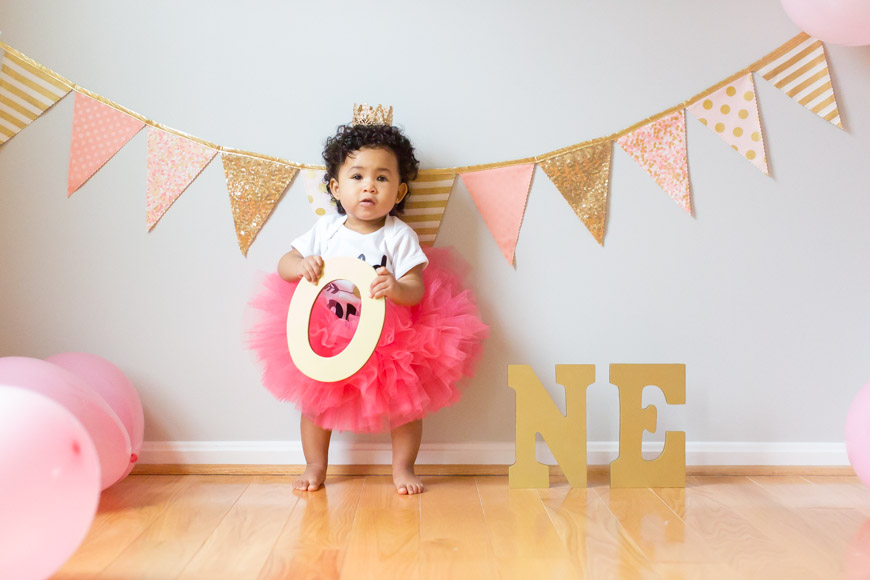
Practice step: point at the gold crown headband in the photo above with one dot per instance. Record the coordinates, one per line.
(366, 115)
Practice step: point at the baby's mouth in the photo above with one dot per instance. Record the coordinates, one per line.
(367, 201)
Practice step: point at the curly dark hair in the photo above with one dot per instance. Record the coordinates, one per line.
(350, 138)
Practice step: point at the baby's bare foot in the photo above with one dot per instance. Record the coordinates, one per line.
(407, 482)
(311, 479)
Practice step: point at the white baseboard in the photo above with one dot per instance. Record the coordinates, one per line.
(480, 453)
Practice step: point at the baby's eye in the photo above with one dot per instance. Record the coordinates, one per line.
(382, 178)
(356, 176)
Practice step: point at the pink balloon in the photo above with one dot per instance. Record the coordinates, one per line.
(858, 434)
(106, 430)
(836, 21)
(115, 388)
(49, 484)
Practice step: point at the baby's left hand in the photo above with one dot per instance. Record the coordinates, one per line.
(384, 285)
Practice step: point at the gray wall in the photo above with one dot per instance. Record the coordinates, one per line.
(763, 294)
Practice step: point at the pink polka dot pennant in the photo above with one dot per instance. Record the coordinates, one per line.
(732, 113)
(173, 163)
(98, 132)
(660, 148)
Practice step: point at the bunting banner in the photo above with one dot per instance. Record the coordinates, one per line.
(800, 70)
(660, 149)
(98, 132)
(500, 195)
(26, 92)
(582, 176)
(581, 172)
(426, 203)
(173, 163)
(255, 186)
(315, 189)
(732, 113)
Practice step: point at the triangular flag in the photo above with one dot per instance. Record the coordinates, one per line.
(315, 189)
(173, 163)
(426, 203)
(255, 186)
(732, 112)
(99, 131)
(799, 69)
(583, 179)
(500, 195)
(26, 92)
(660, 148)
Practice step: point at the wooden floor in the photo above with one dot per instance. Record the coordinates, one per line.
(239, 527)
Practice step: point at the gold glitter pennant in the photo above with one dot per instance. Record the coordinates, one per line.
(583, 178)
(255, 186)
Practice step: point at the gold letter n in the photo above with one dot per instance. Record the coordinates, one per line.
(565, 435)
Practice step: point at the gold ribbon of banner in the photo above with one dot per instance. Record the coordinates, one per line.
(455, 170)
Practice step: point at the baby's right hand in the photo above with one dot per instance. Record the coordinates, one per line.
(310, 268)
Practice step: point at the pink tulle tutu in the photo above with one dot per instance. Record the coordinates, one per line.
(417, 368)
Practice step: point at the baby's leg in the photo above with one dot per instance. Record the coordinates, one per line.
(406, 444)
(315, 446)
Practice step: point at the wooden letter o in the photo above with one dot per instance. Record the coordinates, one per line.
(365, 339)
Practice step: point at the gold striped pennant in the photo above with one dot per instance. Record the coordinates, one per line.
(800, 70)
(26, 92)
(425, 206)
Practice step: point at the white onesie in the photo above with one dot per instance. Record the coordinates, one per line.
(394, 246)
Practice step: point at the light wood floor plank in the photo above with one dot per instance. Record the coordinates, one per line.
(593, 535)
(794, 491)
(803, 492)
(841, 532)
(843, 492)
(313, 542)
(662, 536)
(453, 533)
(126, 510)
(524, 540)
(857, 551)
(776, 520)
(254, 522)
(734, 540)
(696, 571)
(174, 538)
(384, 540)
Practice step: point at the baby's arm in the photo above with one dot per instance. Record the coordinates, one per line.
(406, 291)
(292, 266)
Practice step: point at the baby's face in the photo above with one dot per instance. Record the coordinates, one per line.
(369, 186)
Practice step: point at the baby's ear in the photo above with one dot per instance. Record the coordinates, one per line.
(403, 191)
